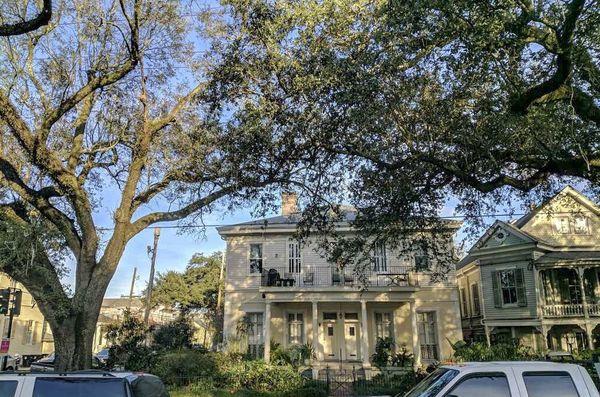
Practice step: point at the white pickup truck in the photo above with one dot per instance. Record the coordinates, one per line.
(80, 384)
(507, 379)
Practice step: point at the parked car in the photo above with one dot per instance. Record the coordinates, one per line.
(102, 356)
(81, 384)
(46, 364)
(507, 379)
(12, 363)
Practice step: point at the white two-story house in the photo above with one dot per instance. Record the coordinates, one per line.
(288, 293)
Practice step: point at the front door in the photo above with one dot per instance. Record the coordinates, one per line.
(351, 337)
(330, 341)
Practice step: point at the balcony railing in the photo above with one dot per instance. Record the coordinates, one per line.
(327, 276)
(563, 310)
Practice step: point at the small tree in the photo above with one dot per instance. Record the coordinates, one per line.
(175, 335)
(127, 339)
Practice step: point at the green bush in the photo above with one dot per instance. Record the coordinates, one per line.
(175, 335)
(384, 384)
(497, 352)
(258, 376)
(186, 367)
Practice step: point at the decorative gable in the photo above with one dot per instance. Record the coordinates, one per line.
(567, 219)
(502, 234)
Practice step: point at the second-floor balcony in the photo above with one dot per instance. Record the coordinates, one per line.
(330, 276)
(570, 292)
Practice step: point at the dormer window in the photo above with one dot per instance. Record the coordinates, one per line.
(572, 225)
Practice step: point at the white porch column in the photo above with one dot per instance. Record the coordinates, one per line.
(415, 336)
(315, 338)
(580, 271)
(267, 332)
(364, 334)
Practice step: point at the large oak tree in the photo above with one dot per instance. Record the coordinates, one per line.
(423, 101)
(111, 108)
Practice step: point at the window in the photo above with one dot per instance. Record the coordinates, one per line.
(562, 225)
(421, 258)
(427, 335)
(508, 287)
(549, 384)
(255, 334)
(294, 259)
(89, 387)
(580, 225)
(329, 316)
(482, 384)
(475, 299)
(379, 258)
(29, 333)
(256, 258)
(464, 309)
(8, 388)
(384, 325)
(431, 385)
(351, 316)
(295, 328)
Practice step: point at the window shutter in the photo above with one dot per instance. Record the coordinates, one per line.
(496, 287)
(520, 281)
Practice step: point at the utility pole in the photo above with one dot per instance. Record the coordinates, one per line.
(151, 279)
(219, 326)
(132, 286)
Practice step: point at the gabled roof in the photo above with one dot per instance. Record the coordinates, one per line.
(568, 190)
(508, 227)
(516, 228)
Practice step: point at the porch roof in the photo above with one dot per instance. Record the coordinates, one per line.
(574, 257)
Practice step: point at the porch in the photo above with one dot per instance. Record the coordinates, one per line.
(343, 334)
(570, 292)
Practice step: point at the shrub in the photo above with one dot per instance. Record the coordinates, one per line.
(383, 352)
(258, 376)
(497, 352)
(294, 355)
(384, 384)
(185, 367)
(175, 335)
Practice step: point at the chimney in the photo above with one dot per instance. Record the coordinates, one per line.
(289, 203)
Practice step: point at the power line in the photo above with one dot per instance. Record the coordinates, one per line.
(256, 222)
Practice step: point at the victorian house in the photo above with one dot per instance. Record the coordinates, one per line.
(536, 279)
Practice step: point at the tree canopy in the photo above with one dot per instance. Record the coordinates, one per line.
(25, 24)
(423, 101)
(112, 109)
(196, 288)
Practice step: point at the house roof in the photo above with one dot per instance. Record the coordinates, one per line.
(570, 256)
(516, 228)
(286, 222)
(568, 190)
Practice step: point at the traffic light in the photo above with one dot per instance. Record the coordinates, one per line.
(4, 301)
(17, 298)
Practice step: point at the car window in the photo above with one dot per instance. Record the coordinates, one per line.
(431, 385)
(549, 384)
(79, 387)
(8, 388)
(492, 384)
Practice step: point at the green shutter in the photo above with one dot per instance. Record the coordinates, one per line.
(520, 281)
(496, 287)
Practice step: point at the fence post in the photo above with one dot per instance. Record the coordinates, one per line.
(328, 380)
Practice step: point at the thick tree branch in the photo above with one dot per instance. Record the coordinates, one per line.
(42, 19)
(39, 200)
